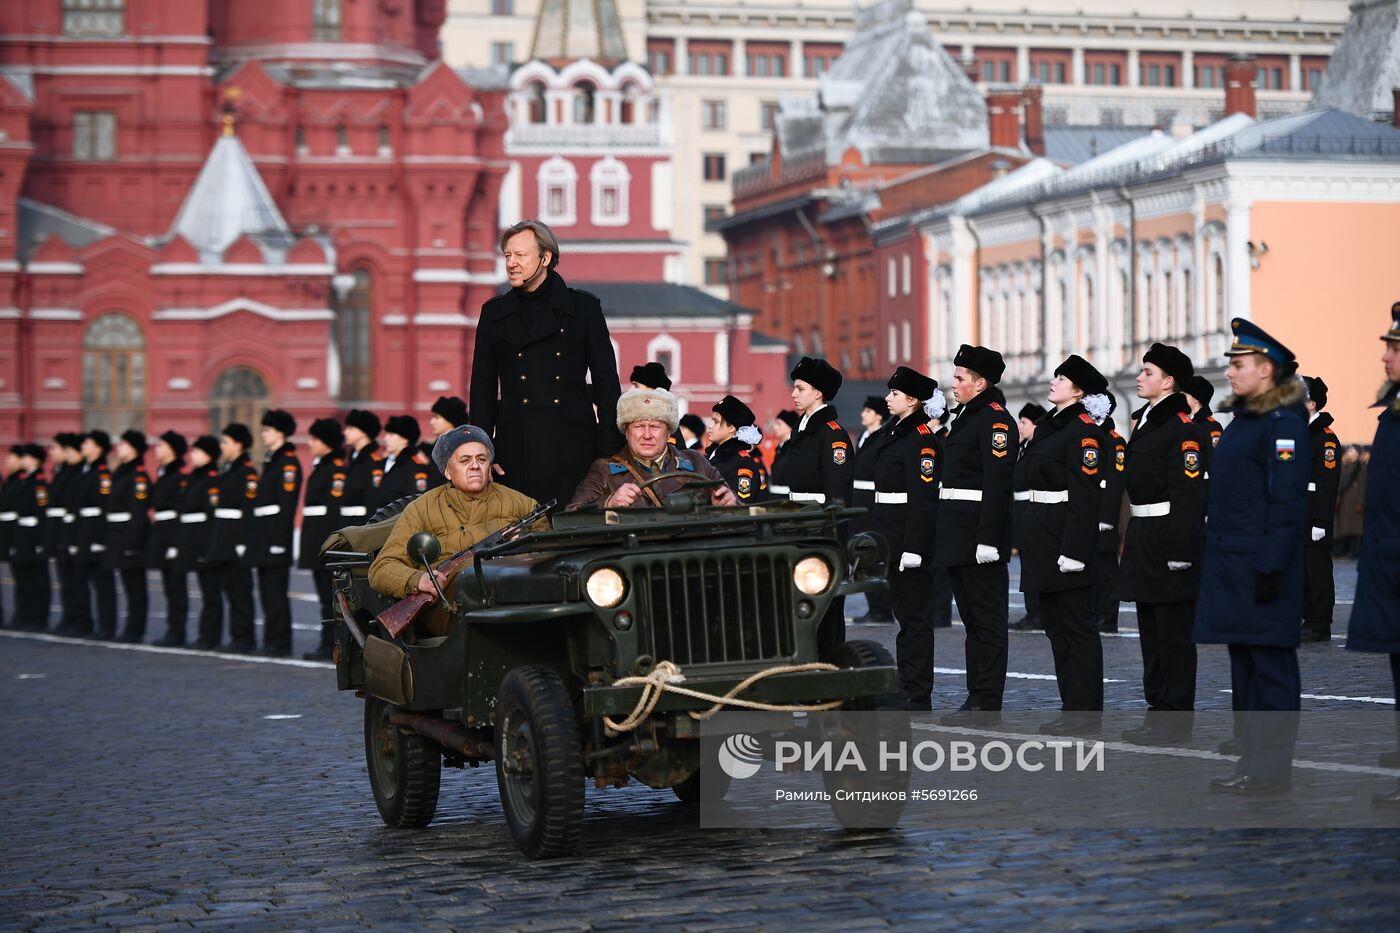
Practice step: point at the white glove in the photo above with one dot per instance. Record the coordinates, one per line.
(239, 549)
(986, 554)
(1104, 527)
(99, 548)
(171, 552)
(73, 550)
(1318, 533)
(907, 560)
(275, 549)
(1178, 565)
(1069, 565)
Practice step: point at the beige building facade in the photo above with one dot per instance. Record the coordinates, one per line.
(723, 68)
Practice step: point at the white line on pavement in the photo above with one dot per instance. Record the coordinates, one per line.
(1016, 674)
(1332, 696)
(156, 649)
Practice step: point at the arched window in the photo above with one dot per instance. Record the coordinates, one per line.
(610, 181)
(631, 113)
(1217, 316)
(558, 192)
(353, 329)
(534, 95)
(893, 349)
(239, 394)
(666, 350)
(114, 375)
(584, 93)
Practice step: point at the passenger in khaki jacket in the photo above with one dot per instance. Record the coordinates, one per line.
(466, 510)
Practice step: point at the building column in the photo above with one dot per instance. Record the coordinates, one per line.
(1134, 69)
(682, 56)
(1188, 68)
(1237, 268)
(1077, 67)
(1023, 63)
(741, 59)
(965, 307)
(1197, 322)
(1295, 72)
(797, 66)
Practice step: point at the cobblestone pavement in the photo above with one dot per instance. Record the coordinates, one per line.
(149, 789)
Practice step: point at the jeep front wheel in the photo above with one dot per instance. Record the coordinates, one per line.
(405, 769)
(539, 762)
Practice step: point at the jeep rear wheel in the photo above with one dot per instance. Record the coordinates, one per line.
(861, 654)
(539, 762)
(405, 769)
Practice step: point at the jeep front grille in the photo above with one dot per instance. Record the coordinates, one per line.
(718, 609)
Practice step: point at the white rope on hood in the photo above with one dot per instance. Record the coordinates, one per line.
(749, 435)
(936, 404)
(1097, 406)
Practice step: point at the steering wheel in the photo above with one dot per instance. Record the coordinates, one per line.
(695, 479)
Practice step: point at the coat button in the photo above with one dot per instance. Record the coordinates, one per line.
(561, 330)
(525, 401)
(520, 356)
(556, 401)
(522, 377)
(556, 378)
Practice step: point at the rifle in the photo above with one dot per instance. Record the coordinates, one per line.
(402, 613)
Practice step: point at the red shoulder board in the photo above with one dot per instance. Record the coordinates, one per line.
(1086, 418)
(338, 461)
(1116, 434)
(1185, 418)
(834, 425)
(925, 429)
(745, 455)
(996, 406)
(419, 459)
(376, 455)
(1329, 431)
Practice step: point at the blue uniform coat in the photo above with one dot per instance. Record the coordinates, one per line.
(1256, 515)
(1375, 617)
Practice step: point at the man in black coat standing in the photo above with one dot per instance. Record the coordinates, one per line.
(974, 523)
(320, 515)
(1114, 470)
(1166, 484)
(232, 496)
(537, 348)
(274, 514)
(92, 492)
(163, 542)
(364, 467)
(1319, 589)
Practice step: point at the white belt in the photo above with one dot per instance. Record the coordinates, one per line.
(1022, 496)
(193, 518)
(315, 511)
(352, 510)
(808, 496)
(57, 513)
(775, 490)
(29, 521)
(8, 516)
(964, 495)
(165, 515)
(263, 511)
(228, 513)
(91, 511)
(1312, 487)
(69, 518)
(118, 516)
(891, 498)
(1048, 496)
(866, 484)
(1152, 510)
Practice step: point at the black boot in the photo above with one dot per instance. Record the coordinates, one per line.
(326, 650)
(1314, 632)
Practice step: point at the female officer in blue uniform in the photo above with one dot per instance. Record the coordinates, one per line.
(1375, 617)
(1252, 581)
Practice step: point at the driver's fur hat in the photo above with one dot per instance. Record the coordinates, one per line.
(447, 444)
(648, 405)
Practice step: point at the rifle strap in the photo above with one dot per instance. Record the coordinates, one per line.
(637, 478)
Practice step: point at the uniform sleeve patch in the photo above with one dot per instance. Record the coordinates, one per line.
(1120, 459)
(1329, 455)
(214, 498)
(745, 486)
(1285, 448)
(104, 485)
(250, 488)
(289, 478)
(1089, 455)
(1001, 439)
(338, 485)
(376, 477)
(1191, 462)
(420, 482)
(41, 496)
(143, 488)
(927, 459)
(838, 454)
(745, 471)
(684, 465)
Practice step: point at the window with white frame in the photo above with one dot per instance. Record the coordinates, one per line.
(609, 181)
(891, 353)
(908, 275)
(666, 350)
(94, 136)
(908, 341)
(558, 192)
(892, 284)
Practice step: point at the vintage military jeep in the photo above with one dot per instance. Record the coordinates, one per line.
(521, 667)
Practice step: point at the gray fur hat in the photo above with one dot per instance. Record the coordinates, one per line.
(648, 405)
(447, 445)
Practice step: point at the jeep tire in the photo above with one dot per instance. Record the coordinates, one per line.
(539, 762)
(405, 769)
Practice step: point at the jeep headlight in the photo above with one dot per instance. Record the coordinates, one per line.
(811, 575)
(605, 587)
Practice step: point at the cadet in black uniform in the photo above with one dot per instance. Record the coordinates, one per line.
(1026, 418)
(1252, 585)
(733, 453)
(163, 543)
(1166, 485)
(908, 461)
(233, 494)
(272, 522)
(1199, 392)
(93, 491)
(819, 468)
(873, 415)
(128, 524)
(447, 412)
(1319, 589)
(783, 427)
(407, 472)
(364, 466)
(1114, 472)
(63, 533)
(973, 539)
(29, 559)
(196, 516)
(320, 515)
(691, 430)
(12, 484)
(1060, 536)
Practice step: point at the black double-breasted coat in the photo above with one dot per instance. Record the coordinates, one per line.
(530, 387)
(320, 514)
(272, 514)
(167, 497)
(197, 506)
(411, 474)
(819, 459)
(1064, 459)
(980, 454)
(128, 517)
(231, 497)
(1326, 479)
(742, 469)
(91, 492)
(907, 458)
(1115, 477)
